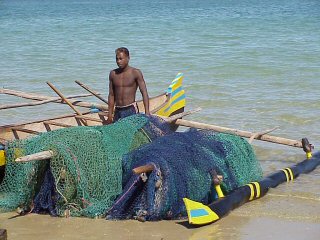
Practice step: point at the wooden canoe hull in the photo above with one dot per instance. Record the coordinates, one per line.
(167, 104)
(24, 130)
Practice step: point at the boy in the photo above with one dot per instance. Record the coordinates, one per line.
(123, 84)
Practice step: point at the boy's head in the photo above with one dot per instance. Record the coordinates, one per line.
(122, 57)
(123, 50)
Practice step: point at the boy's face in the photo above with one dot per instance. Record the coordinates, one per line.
(122, 60)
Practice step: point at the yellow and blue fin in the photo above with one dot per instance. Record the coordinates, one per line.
(198, 213)
(177, 98)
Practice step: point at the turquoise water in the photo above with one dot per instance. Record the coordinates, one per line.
(249, 64)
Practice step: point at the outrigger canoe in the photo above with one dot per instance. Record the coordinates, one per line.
(168, 104)
(171, 102)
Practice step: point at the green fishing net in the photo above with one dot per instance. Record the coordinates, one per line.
(86, 166)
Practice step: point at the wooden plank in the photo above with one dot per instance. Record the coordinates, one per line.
(89, 118)
(25, 130)
(57, 124)
(15, 131)
(104, 114)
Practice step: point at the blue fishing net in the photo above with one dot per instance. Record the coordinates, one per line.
(182, 167)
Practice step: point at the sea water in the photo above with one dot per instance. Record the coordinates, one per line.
(249, 64)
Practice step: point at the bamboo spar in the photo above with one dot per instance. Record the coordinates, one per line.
(267, 138)
(91, 91)
(38, 97)
(16, 105)
(36, 156)
(65, 100)
(179, 115)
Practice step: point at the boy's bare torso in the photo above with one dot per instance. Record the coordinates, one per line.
(124, 85)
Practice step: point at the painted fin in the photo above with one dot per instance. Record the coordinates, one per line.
(177, 97)
(198, 213)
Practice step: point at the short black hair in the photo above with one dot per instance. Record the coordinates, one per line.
(123, 50)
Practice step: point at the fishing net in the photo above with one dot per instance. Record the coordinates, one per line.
(182, 167)
(84, 176)
(91, 173)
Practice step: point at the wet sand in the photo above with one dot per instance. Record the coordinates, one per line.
(283, 213)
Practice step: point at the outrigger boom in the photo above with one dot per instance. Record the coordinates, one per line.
(200, 214)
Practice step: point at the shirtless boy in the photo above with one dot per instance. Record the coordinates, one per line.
(123, 84)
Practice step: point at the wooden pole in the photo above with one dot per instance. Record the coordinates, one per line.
(66, 101)
(91, 91)
(7, 106)
(255, 135)
(143, 169)
(267, 138)
(63, 98)
(38, 97)
(36, 156)
(180, 115)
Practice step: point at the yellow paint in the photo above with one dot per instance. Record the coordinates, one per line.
(257, 189)
(2, 158)
(251, 191)
(219, 191)
(177, 82)
(286, 173)
(211, 216)
(309, 155)
(177, 95)
(290, 172)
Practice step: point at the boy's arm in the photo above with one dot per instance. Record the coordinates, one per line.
(143, 90)
(110, 100)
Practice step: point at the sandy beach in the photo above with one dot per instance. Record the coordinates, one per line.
(282, 214)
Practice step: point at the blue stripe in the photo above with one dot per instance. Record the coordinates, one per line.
(176, 91)
(173, 82)
(198, 213)
(175, 101)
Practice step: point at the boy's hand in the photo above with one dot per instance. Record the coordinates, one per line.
(109, 120)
